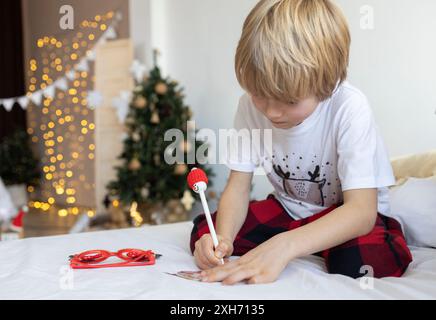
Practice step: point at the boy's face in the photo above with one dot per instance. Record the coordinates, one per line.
(285, 115)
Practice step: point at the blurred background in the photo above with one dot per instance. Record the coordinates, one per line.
(88, 89)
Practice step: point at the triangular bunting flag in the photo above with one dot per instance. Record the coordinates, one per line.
(8, 103)
(121, 103)
(71, 75)
(138, 70)
(82, 65)
(23, 102)
(90, 54)
(101, 40)
(61, 84)
(126, 95)
(94, 99)
(110, 33)
(36, 97)
(49, 91)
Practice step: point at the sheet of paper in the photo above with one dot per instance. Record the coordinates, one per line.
(188, 275)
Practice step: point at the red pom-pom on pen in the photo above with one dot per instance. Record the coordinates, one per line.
(195, 177)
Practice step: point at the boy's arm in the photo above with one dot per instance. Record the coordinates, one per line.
(232, 212)
(356, 217)
(233, 206)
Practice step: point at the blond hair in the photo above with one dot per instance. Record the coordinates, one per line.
(291, 49)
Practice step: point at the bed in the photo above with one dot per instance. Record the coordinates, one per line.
(37, 268)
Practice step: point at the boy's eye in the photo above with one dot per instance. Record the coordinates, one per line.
(292, 103)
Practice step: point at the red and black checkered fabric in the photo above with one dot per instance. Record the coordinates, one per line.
(384, 249)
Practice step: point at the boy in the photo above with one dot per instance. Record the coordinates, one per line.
(328, 164)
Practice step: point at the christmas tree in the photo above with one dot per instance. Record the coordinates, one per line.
(144, 176)
(18, 164)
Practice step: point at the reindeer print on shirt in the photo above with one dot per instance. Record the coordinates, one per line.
(310, 188)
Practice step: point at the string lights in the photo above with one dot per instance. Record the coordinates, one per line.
(135, 215)
(62, 127)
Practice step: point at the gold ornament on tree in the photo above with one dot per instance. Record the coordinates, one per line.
(140, 102)
(187, 200)
(136, 136)
(180, 169)
(156, 159)
(145, 192)
(134, 164)
(161, 88)
(129, 120)
(155, 118)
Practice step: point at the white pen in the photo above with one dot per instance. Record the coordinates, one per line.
(197, 180)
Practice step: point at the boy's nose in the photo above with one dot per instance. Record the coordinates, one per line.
(273, 114)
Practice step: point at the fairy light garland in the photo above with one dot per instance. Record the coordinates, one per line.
(135, 214)
(62, 128)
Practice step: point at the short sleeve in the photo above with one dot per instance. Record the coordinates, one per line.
(240, 155)
(358, 163)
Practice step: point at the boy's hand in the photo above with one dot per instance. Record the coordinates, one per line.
(262, 264)
(205, 255)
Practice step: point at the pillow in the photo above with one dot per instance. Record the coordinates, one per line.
(413, 205)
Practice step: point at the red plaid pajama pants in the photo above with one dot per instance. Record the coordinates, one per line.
(384, 249)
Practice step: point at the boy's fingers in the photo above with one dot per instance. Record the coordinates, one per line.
(211, 258)
(221, 250)
(201, 261)
(208, 252)
(257, 279)
(241, 274)
(198, 262)
(224, 248)
(221, 272)
(202, 265)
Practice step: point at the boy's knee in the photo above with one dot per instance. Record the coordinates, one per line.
(387, 259)
(347, 262)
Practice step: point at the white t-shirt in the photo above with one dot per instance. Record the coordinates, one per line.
(337, 148)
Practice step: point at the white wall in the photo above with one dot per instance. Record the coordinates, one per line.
(393, 64)
(140, 29)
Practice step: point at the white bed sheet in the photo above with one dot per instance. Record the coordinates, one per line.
(37, 268)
